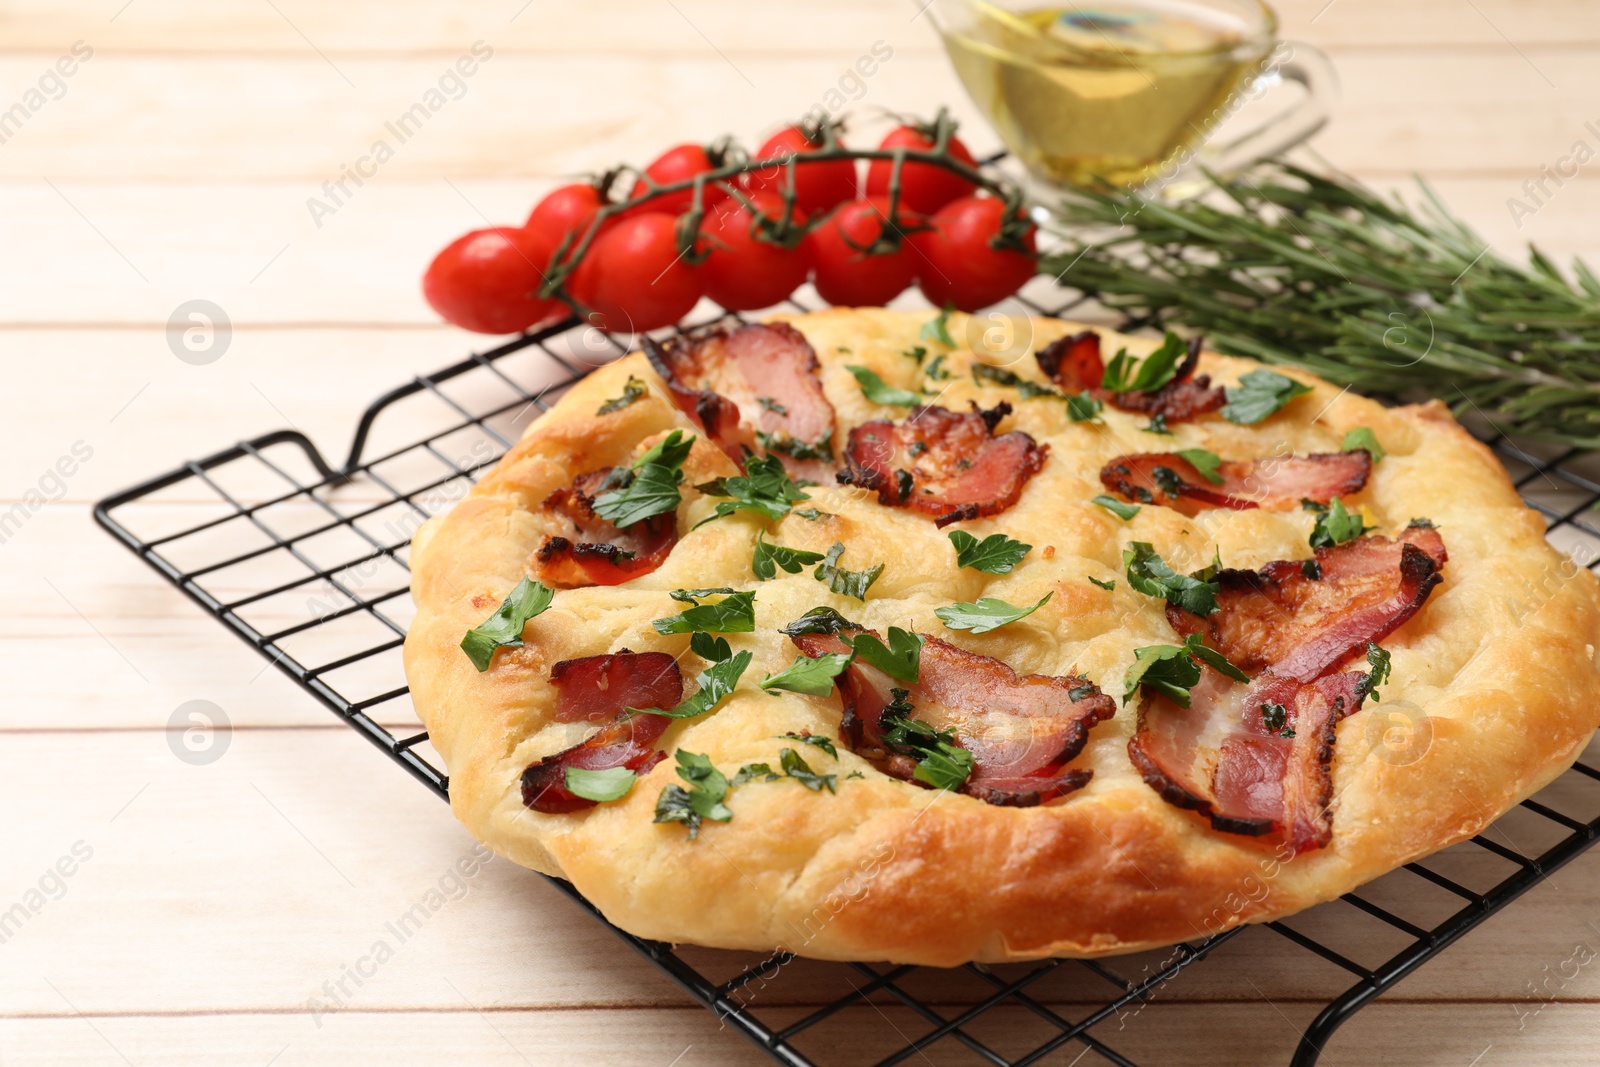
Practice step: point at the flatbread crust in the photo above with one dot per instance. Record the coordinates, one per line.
(1495, 687)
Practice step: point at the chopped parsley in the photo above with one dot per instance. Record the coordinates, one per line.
(935, 371)
(708, 787)
(1103, 585)
(820, 620)
(1173, 670)
(1275, 717)
(1311, 569)
(769, 404)
(901, 658)
(733, 614)
(988, 613)
(995, 554)
(1124, 375)
(839, 580)
(1125, 512)
(715, 683)
(878, 391)
(824, 743)
(1203, 461)
(1083, 408)
(1157, 424)
(1335, 525)
(650, 487)
(917, 353)
(634, 390)
(1260, 394)
(1150, 575)
(822, 448)
(938, 329)
(1361, 437)
(813, 677)
(503, 629)
(765, 488)
(1026, 390)
(608, 783)
(1378, 660)
(941, 762)
(769, 558)
(792, 766)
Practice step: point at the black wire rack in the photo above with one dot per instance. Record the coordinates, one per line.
(306, 561)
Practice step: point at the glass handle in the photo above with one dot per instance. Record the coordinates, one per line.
(1293, 61)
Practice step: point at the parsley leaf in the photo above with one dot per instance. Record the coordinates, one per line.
(708, 787)
(1083, 408)
(935, 371)
(694, 596)
(821, 620)
(735, 614)
(797, 768)
(1275, 717)
(1172, 670)
(610, 783)
(1150, 575)
(769, 557)
(822, 448)
(995, 554)
(1026, 390)
(1378, 660)
(813, 677)
(1123, 375)
(917, 353)
(846, 583)
(751, 772)
(938, 329)
(1103, 585)
(1204, 462)
(634, 390)
(765, 488)
(942, 763)
(1259, 394)
(1157, 424)
(651, 486)
(901, 658)
(715, 683)
(989, 613)
(712, 649)
(1361, 437)
(1335, 526)
(503, 629)
(1125, 512)
(878, 391)
(818, 740)
(769, 404)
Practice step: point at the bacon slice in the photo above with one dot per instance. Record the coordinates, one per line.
(1075, 365)
(601, 688)
(1295, 633)
(753, 388)
(1022, 730)
(944, 463)
(598, 553)
(1275, 483)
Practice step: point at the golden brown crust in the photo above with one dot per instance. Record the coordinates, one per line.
(1496, 679)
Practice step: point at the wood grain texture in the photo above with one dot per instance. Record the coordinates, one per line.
(219, 898)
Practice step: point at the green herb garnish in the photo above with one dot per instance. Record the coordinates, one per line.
(1378, 660)
(995, 554)
(988, 613)
(504, 628)
(938, 329)
(1150, 575)
(769, 558)
(1125, 512)
(841, 581)
(765, 488)
(715, 682)
(609, 783)
(819, 620)
(1259, 394)
(735, 614)
(876, 390)
(1082, 407)
(1172, 670)
(901, 658)
(1203, 461)
(635, 389)
(813, 677)
(1124, 375)
(650, 487)
(708, 787)
(941, 762)
(1361, 437)
(1335, 525)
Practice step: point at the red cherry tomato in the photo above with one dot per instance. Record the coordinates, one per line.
(564, 210)
(489, 281)
(677, 165)
(633, 277)
(818, 186)
(845, 275)
(924, 187)
(956, 263)
(742, 272)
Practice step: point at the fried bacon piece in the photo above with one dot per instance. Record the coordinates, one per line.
(1275, 483)
(598, 553)
(1295, 632)
(600, 689)
(1074, 364)
(754, 387)
(1022, 730)
(944, 463)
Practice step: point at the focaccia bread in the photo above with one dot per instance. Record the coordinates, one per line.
(1032, 789)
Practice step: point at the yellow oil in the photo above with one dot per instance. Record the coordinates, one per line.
(1089, 95)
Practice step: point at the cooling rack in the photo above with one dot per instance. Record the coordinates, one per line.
(306, 561)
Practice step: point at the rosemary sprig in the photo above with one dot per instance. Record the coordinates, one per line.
(1321, 273)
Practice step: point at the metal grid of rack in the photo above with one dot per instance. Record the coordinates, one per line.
(306, 561)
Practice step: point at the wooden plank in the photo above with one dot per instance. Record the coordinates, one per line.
(641, 26)
(1473, 110)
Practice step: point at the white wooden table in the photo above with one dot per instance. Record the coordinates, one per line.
(208, 905)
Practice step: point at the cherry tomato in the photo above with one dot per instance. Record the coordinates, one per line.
(742, 272)
(489, 281)
(564, 210)
(818, 186)
(924, 187)
(677, 165)
(957, 265)
(633, 277)
(845, 275)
